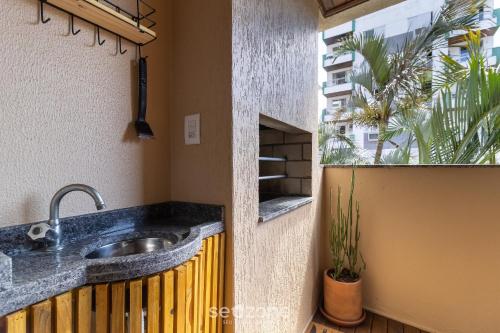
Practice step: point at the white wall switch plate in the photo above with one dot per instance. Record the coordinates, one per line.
(192, 129)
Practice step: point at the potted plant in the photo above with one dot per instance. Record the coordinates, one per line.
(343, 303)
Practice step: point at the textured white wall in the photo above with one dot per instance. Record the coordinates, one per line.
(66, 108)
(274, 73)
(66, 118)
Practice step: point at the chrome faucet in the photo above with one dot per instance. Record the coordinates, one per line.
(40, 230)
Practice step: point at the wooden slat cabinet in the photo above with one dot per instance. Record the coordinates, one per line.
(174, 301)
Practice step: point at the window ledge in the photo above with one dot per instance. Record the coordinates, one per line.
(274, 208)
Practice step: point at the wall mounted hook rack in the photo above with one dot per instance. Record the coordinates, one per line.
(104, 14)
(73, 26)
(120, 46)
(42, 17)
(99, 37)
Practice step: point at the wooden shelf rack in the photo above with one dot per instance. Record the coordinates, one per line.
(107, 16)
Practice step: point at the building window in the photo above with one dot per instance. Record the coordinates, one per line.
(372, 136)
(369, 33)
(416, 23)
(340, 78)
(378, 31)
(464, 54)
(339, 103)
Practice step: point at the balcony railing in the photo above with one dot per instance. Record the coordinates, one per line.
(337, 114)
(338, 30)
(331, 59)
(337, 86)
(463, 59)
(485, 20)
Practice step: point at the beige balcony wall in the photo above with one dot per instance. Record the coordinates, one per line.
(202, 84)
(430, 237)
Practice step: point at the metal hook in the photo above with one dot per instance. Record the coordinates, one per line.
(73, 26)
(99, 37)
(42, 19)
(120, 44)
(139, 46)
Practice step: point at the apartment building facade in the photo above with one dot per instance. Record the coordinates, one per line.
(395, 24)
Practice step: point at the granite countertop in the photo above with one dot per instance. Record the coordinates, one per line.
(271, 209)
(36, 275)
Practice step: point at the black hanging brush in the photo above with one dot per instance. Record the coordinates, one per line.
(141, 126)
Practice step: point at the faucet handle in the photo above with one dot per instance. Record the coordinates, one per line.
(38, 231)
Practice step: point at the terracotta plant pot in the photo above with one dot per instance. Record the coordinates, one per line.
(343, 301)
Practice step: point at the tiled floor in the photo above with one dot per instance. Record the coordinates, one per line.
(373, 324)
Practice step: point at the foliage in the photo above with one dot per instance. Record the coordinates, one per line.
(389, 79)
(464, 126)
(401, 155)
(344, 238)
(336, 148)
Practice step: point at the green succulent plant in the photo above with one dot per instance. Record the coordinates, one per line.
(344, 235)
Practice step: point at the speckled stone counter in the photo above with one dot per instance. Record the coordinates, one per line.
(271, 209)
(37, 275)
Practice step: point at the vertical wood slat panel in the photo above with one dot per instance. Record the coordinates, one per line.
(64, 313)
(180, 299)
(118, 307)
(196, 293)
(135, 312)
(222, 270)
(202, 286)
(17, 322)
(208, 285)
(41, 317)
(167, 299)
(189, 297)
(201, 291)
(102, 308)
(153, 304)
(215, 280)
(186, 294)
(84, 309)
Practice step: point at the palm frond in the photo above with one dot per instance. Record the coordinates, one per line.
(401, 155)
(336, 148)
(454, 15)
(412, 60)
(364, 78)
(463, 125)
(375, 52)
(465, 121)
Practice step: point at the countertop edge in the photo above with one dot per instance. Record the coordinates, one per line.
(71, 279)
(272, 209)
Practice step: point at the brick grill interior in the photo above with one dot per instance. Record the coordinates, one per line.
(295, 151)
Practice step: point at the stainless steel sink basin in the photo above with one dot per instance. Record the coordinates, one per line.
(133, 246)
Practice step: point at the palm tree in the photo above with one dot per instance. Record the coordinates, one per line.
(336, 148)
(464, 126)
(387, 79)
